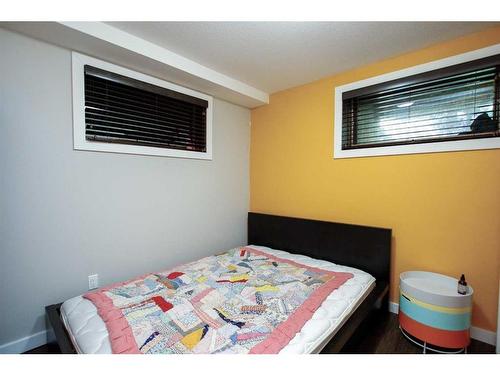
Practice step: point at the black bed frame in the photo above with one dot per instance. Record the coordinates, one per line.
(362, 247)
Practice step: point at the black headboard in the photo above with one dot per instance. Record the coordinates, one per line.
(362, 247)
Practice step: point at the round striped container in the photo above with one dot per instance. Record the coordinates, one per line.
(431, 309)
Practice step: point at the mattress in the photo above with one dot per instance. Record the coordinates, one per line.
(89, 334)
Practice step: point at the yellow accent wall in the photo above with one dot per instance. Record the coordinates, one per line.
(444, 208)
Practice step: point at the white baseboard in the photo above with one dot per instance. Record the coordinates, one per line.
(27, 343)
(394, 307)
(480, 334)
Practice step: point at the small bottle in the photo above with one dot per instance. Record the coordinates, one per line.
(462, 285)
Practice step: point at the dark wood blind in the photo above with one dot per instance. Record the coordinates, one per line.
(120, 109)
(454, 103)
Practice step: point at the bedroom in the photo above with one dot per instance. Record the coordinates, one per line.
(274, 134)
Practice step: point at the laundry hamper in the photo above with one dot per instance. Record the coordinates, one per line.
(432, 313)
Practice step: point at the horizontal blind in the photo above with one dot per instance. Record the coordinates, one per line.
(120, 109)
(457, 106)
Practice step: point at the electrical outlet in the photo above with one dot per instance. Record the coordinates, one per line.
(93, 281)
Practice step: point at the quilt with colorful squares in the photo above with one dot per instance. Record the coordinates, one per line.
(240, 301)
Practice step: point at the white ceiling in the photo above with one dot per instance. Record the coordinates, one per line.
(272, 56)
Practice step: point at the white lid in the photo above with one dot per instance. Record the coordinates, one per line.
(433, 283)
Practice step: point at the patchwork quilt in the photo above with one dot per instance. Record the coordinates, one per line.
(240, 301)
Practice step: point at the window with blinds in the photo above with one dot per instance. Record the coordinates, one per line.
(453, 103)
(123, 110)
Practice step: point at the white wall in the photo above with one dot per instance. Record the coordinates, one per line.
(66, 214)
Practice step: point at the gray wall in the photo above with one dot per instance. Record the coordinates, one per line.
(66, 214)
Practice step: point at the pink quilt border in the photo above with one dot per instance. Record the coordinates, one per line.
(123, 342)
(286, 331)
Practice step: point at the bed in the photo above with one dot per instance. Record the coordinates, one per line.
(360, 251)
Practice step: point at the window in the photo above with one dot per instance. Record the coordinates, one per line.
(119, 110)
(453, 107)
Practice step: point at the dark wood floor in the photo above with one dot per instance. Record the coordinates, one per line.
(45, 349)
(380, 334)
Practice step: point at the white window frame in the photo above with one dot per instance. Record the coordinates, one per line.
(81, 143)
(458, 145)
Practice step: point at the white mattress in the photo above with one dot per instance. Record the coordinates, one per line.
(89, 334)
